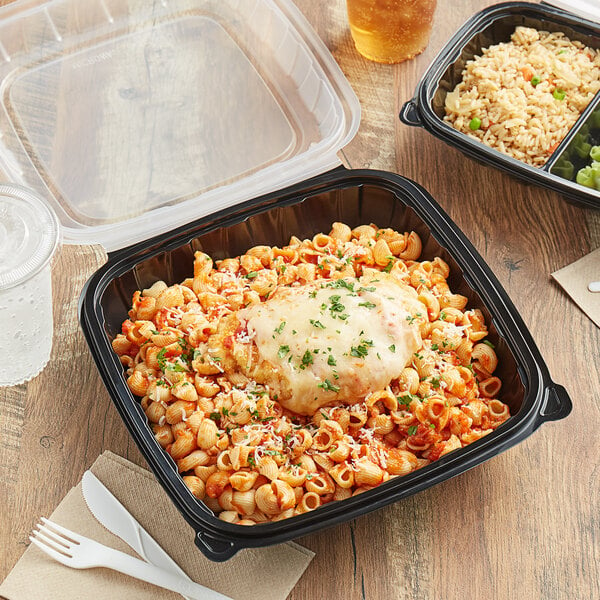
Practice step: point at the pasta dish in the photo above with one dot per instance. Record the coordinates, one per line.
(286, 378)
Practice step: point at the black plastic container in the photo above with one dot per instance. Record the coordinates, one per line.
(354, 197)
(492, 26)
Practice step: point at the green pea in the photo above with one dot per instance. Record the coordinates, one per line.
(559, 94)
(475, 124)
(535, 80)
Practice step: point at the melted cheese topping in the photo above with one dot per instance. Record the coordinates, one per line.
(334, 342)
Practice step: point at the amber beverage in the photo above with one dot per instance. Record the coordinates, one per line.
(390, 31)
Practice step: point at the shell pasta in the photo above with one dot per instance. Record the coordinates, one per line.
(287, 378)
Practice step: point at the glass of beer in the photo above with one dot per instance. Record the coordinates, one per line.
(390, 31)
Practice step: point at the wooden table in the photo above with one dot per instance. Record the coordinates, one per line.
(523, 525)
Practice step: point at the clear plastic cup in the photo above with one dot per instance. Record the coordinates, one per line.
(29, 235)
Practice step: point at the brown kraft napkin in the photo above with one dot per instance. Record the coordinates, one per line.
(258, 573)
(575, 279)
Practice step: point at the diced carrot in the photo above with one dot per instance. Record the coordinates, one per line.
(527, 73)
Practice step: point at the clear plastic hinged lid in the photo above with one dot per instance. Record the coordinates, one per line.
(132, 117)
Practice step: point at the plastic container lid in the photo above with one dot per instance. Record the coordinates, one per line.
(29, 234)
(133, 118)
(586, 9)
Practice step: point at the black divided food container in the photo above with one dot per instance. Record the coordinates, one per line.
(491, 26)
(354, 197)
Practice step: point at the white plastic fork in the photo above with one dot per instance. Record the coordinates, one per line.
(79, 552)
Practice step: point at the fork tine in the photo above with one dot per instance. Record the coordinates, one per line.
(55, 537)
(61, 558)
(45, 539)
(60, 529)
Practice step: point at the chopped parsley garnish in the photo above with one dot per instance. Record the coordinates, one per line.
(336, 305)
(251, 275)
(362, 349)
(412, 430)
(367, 304)
(406, 399)
(340, 283)
(165, 365)
(435, 382)
(388, 267)
(307, 359)
(283, 351)
(160, 357)
(328, 386)
(410, 319)
(215, 416)
(392, 348)
(317, 324)
(280, 327)
(488, 343)
(331, 361)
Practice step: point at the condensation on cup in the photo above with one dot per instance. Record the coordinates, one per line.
(390, 31)
(29, 236)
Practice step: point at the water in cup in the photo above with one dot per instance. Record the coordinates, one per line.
(29, 234)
